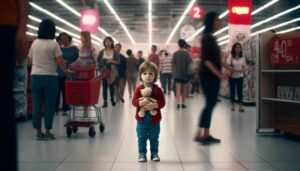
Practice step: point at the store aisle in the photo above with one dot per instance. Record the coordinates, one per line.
(116, 148)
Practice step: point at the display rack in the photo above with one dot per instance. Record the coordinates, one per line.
(275, 113)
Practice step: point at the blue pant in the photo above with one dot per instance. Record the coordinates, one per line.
(146, 130)
(44, 90)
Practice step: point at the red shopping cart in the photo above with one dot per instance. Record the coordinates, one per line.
(84, 72)
(83, 94)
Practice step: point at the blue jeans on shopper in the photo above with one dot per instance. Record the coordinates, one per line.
(44, 90)
(146, 130)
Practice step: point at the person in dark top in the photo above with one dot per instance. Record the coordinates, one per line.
(140, 58)
(121, 79)
(181, 61)
(70, 54)
(210, 74)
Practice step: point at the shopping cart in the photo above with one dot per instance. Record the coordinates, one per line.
(83, 94)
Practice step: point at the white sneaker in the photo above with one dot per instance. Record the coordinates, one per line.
(155, 157)
(142, 158)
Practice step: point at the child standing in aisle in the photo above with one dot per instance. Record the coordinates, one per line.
(148, 125)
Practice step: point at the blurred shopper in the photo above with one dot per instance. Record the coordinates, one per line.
(121, 79)
(132, 72)
(153, 57)
(70, 54)
(210, 74)
(191, 72)
(166, 71)
(109, 58)
(45, 55)
(87, 55)
(13, 20)
(236, 81)
(181, 61)
(140, 58)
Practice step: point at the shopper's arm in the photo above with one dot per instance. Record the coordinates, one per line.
(21, 46)
(214, 70)
(61, 63)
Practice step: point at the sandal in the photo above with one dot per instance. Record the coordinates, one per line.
(49, 136)
(242, 110)
(40, 136)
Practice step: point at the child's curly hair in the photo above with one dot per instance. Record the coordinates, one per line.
(148, 65)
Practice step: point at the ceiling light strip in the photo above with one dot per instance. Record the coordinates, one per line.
(288, 30)
(78, 15)
(223, 14)
(30, 33)
(58, 28)
(268, 28)
(180, 21)
(150, 22)
(253, 13)
(194, 35)
(266, 20)
(59, 19)
(275, 16)
(120, 21)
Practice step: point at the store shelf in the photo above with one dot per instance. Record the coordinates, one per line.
(279, 71)
(280, 100)
(18, 90)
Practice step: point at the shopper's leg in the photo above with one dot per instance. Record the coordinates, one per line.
(129, 86)
(232, 92)
(50, 87)
(163, 82)
(37, 101)
(142, 138)
(59, 91)
(178, 92)
(153, 137)
(169, 77)
(104, 91)
(65, 106)
(184, 91)
(122, 87)
(134, 80)
(240, 83)
(112, 93)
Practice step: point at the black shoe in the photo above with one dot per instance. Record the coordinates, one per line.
(183, 106)
(104, 105)
(113, 103)
(178, 106)
(122, 100)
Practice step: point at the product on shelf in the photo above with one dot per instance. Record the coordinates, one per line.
(296, 93)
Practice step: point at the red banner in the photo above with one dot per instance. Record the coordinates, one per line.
(239, 12)
(285, 51)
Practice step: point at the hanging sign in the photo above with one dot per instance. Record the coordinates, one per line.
(239, 21)
(197, 12)
(89, 20)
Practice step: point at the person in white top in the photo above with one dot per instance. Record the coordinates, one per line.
(236, 81)
(45, 55)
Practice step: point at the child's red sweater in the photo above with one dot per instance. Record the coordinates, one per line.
(157, 94)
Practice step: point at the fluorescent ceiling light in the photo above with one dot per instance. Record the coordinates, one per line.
(223, 14)
(195, 34)
(266, 20)
(60, 19)
(276, 26)
(30, 33)
(288, 30)
(269, 28)
(78, 15)
(180, 21)
(253, 13)
(275, 16)
(120, 21)
(150, 22)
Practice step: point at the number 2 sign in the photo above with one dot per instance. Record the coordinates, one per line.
(197, 12)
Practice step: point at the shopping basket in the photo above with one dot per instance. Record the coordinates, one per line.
(83, 71)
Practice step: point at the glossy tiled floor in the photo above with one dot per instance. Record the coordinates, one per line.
(116, 148)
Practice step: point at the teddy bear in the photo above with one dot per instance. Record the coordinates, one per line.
(146, 93)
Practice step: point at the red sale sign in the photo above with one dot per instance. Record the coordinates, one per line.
(240, 12)
(89, 20)
(285, 50)
(197, 12)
